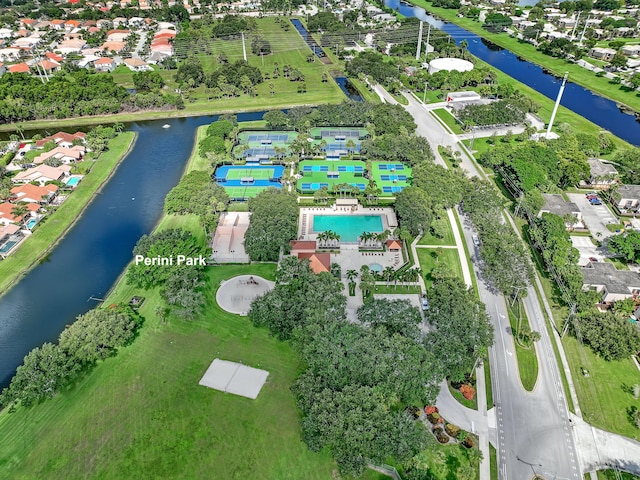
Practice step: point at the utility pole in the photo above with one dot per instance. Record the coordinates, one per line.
(424, 96)
(419, 41)
(586, 23)
(244, 48)
(555, 107)
(575, 25)
(426, 48)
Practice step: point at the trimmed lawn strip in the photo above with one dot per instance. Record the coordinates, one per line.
(363, 90)
(526, 357)
(487, 381)
(400, 289)
(448, 120)
(448, 240)
(603, 395)
(474, 281)
(428, 262)
(55, 226)
(557, 66)
(445, 462)
(493, 462)
(615, 475)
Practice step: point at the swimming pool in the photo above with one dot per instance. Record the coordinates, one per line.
(349, 227)
(7, 246)
(31, 223)
(375, 267)
(73, 181)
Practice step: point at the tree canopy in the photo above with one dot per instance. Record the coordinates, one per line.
(274, 223)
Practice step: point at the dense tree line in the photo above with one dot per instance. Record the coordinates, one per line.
(502, 112)
(505, 262)
(274, 223)
(409, 149)
(461, 330)
(94, 336)
(609, 335)
(197, 194)
(358, 377)
(77, 93)
(627, 245)
(181, 285)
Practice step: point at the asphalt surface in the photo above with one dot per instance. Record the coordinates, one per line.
(595, 217)
(531, 431)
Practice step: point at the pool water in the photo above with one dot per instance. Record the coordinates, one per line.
(7, 246)
(73, 181)
(31, 223)
(349, 227)
(375, 267)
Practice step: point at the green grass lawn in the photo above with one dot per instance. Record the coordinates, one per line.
(429, 239)
(447, 462)
(603, 396)
(526, 357)
(54, 227)
(142, 413)
(448, 119)
(396, 289)
(365, 93)
(558, 66)
(613, 475)
(493, 459)
(427, 260)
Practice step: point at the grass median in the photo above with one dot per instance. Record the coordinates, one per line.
(47, 235)
(525, 355)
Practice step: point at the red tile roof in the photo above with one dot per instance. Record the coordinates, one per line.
(394, 245)
(319, 262)
(19, 68)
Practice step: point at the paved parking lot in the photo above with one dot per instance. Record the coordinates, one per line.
(596, 217)
(587, 249)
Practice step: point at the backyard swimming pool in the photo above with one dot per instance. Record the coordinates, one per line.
(73, 181)
(349, 227)
(31, 223)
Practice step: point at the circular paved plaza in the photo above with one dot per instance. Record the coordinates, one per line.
(236, 294)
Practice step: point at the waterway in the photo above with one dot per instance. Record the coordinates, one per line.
(89, 259)
(597, 109)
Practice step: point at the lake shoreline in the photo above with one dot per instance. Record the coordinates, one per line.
(7, 285)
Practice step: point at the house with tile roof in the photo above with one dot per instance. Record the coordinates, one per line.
(62, 154)
(61, 139)
(34, 194)
(42, 174)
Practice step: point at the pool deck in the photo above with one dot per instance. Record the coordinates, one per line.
(305, 221)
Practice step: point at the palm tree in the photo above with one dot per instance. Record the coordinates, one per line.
(322, 238)
(351, 275)
(118, 127)
(19, 211)
(20, 130)
(387, 273)
(463, 46)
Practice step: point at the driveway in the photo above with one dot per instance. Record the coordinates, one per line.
(587, 249)
(596, 217)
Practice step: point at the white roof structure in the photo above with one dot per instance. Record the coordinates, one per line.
(232, 377)
(449, 64)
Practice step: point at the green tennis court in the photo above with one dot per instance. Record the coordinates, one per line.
(257, 173)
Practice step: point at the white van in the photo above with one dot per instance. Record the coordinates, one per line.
(476, 240)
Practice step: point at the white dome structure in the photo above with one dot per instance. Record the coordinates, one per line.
(449, 64)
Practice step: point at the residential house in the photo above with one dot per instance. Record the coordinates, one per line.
(10, 237)
(54, 57)
(71, 25)
(614, 284)
(57, 24)
(602, 174)
(628, 198)
(9, 54)
(7, 217)
(629, 50)
(557, 205)
(137, 65)
(62, 154)
(105, 64)
(117, 35)
(61, 139)
(112, 47)
(47, 66)
(34, 194)
(6, 33)
(19, 68)
(70, 46)
(42, 174)
(600, 53)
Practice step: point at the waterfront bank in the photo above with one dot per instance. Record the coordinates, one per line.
(528, 52)
(47, 235)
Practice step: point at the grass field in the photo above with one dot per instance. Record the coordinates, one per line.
(448, 120)
(558, 66)
(429, 239)
(604, 394)
(54, 227)
(613, 475)
(428, 261)
(448, 462)
(526, 357)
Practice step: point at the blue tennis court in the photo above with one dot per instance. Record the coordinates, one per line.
(332, 147)
(393, 178)
(350, 168)
(231, 173)
(271, 137)
(316, 168)
(313, 186)
(340, 133)
(391, 166)
(394, 189)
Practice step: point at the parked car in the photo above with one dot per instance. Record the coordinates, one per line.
(425, 303)
(476, 240)
(593, 259)
(595, 201)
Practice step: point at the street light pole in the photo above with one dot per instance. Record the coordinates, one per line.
(424, 96)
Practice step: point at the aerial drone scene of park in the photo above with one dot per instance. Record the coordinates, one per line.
(334, 239)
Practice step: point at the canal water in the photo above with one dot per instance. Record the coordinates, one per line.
(89, 259)
(595, 108)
